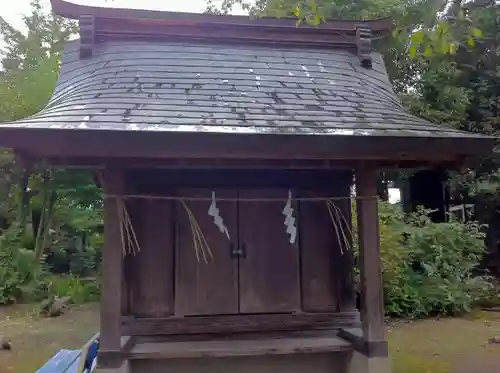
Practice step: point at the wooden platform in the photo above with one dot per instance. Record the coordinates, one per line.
(244, 346)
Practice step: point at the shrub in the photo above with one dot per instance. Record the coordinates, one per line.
(24, 279)
(21, 277)
(428, 268)
(84, 262)
(79, 290)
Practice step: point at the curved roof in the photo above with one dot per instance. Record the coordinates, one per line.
(171, 86)
(218, 85)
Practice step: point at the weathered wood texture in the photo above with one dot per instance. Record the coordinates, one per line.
(252, 164)
(269, 269)
(345, 265)
(369, 254)
(252, 345)
(234, 175)
(359, 343)
(239, 323)
(318, 251)
(74, 144)
(112, 260)
(153, 266)
(326, 264)
(206, 284)
(294, 363)
(269, 275)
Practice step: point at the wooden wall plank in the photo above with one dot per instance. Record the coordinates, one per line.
(153, 292)
(345, 264)
(319, 251)
(269, 274)
(326, 264)
(204, 288)
(372, 310)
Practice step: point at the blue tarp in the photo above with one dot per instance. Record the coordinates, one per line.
(65, 361)
(69, 361)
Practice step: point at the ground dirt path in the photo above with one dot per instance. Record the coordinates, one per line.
(451, 345)
(454, 345)
(34, 339)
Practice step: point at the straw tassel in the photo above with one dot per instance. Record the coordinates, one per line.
(339, 222)
(200, 244)
(130, 244)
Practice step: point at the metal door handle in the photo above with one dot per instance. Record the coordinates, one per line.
(233, 250)
(243, 250)
(238, 251)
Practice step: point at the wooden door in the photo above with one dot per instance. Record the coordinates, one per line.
(269, 270)
(206, 283)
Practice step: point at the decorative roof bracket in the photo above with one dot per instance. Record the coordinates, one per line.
(87, 35)
(364, 45)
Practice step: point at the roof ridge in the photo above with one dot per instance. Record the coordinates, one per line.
(72, 10)
(98, 24)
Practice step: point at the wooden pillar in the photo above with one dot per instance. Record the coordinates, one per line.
(112, 263)
(372, 311)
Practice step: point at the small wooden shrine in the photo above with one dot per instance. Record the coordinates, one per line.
(227, 148)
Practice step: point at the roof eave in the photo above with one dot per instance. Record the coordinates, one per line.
(175, 145)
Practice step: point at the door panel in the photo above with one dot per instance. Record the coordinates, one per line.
(206, 284)
(269, 272)
(152, 289)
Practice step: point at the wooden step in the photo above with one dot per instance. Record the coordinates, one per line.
(239, 347)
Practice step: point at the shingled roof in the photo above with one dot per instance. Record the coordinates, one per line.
(173, 86)
(322, 83)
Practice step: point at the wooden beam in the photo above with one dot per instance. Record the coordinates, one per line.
(113, 180)
(218, 163)
(238, 323)
(366, 348)
(76, 143)
(369, 253)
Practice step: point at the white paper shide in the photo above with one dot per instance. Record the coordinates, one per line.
(291, 228)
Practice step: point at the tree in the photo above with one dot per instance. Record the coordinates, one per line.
(31, 61)
(56, 204)
(438, 27)
(45, 38)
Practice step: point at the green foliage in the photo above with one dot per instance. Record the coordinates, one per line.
(19, 281)
(50, 219)
(44, 39)
(429, 27)
(79, 290)
(24, 279)
(429, 268)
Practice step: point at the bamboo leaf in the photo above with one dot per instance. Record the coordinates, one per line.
(417, 37)
(476, 32)
(413, 50)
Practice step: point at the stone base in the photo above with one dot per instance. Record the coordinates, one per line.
(362, 364)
